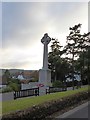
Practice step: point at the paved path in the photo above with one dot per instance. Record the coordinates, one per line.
(78, 112)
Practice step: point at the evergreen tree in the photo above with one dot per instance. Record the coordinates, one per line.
(72, 49)
(6, 76)
(84, 46)
(54, 58)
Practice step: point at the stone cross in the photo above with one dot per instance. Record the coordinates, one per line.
(45, 73)
(45, 40)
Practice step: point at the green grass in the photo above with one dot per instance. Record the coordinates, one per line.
(20, 104)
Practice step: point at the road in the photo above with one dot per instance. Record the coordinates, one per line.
(78, 112)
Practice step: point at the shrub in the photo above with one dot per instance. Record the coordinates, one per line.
(7, 89)
(14, 86)
(48, 108)
(57, 84)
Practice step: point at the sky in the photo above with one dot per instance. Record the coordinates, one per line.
(25, 23)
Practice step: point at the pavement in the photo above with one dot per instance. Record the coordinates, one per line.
(81, 111)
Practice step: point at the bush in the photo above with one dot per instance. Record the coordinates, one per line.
(15, 81)
(48, 108)
(10, 87)
(57, 84)
(7, 89)
(14, 86)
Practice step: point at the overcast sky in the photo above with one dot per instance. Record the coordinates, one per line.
(24, 24)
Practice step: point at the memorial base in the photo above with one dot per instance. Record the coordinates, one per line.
(44, 80)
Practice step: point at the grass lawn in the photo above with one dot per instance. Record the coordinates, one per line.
(20, 104)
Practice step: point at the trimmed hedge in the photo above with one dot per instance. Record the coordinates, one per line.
(48, 108)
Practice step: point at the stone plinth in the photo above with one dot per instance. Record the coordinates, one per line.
(44, 79)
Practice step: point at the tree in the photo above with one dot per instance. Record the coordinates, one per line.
(83, 60)
(72, 47)
(6, 76)
(87, 54)
(77, 46)
(12, 84)
(35, 76)
(54, 59)
(77, 60)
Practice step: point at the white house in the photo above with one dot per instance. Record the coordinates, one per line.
(20, 77)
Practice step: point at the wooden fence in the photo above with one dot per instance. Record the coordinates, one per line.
(52, 90)
(26, 93)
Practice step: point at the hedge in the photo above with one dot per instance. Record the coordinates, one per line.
(48, 108)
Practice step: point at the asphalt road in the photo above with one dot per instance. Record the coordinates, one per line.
(81, 111)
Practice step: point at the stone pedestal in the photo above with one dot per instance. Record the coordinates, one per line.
(45, 77)
(44, 80)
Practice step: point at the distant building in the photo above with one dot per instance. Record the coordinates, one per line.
(76, 77)
(20, 77)
(25, 76)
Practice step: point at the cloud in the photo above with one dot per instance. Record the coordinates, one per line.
(24, 24)
(22, 65)
(30, 58)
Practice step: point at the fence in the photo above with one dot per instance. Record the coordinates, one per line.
(52, 90)
(26, 93)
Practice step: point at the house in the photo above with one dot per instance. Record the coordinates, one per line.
(76, 77)
(22, 79)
